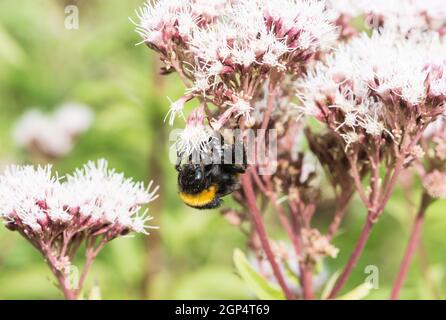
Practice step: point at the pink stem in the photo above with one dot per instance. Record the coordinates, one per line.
(365, 233)
(269, 107)
(411, 247)
(60, 276)
(341, 209)
(375, 210)
(424, 262)
(88, 262)
(90, 254)
(306, 277)
(357, 180)
(307, 283)
(260, 229)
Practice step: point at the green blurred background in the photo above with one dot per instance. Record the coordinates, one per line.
(190, 257)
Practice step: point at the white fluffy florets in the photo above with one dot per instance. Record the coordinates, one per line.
(369, 74)
(403, 15)
(24, 192)
(262, 32)
(94, 200)
(231, 27)
(52, 135)
(224, 47)
(434, 184)
(196, 138)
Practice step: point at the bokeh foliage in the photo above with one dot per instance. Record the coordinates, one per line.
(43, 64)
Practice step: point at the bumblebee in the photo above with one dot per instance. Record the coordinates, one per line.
(202, 186)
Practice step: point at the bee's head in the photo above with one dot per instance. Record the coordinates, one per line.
(192, 178)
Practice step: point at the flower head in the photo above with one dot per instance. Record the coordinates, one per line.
(317, 246)
(30, 198)
(57, 215)
(110, 199)
(402, 15)
(52, 135)
(368, 78)
(226, 50)
(197, 137)
(94, 200)
(435, 184)
(73, 117)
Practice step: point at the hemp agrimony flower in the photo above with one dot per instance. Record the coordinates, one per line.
(52, 135)
(402, 15)
(225, 51)
(432, 168)
(238, 58)
(370, 82)
(377, 94)
(429, 163)
(57, 215)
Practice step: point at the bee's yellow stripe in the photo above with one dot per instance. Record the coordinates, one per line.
(200, 199)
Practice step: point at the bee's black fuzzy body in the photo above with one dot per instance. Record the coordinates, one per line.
(202, 186)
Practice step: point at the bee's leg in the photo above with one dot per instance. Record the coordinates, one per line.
(213, 171)
(178, 161)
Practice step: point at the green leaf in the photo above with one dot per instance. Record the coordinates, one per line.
(330, 284)
(358, 293)
(11, 51)
(202, 283)
(255, 281)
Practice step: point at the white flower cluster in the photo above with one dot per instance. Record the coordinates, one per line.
(226, 50)
(368, 76)
(240, 31)
(261, 33)
(94, 200)
(166, 19)
(197, 138)
(435, 185)
(52, 135)
(225, 47)
(404, 15)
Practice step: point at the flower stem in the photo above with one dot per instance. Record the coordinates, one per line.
(365, 233)
(68, 293)
(341, 209)
(90, 255)
(375, 205)
(269, 106)
(88, 262)
(260, 229)
(411, 246)
(306, 277)
(307, 283)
